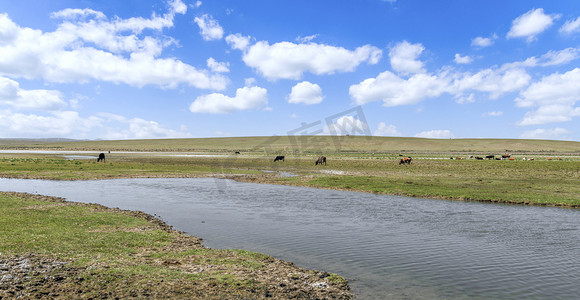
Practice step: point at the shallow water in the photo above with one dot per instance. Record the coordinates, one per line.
(389, 247)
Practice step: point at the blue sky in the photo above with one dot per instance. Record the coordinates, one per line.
(111, 69)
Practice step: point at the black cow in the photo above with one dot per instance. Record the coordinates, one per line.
(479, 158)
(279, 157)
(101, 157)
(490, 157)
(321, 160)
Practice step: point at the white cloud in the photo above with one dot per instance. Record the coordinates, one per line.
(219, 67)
(394, 90)
(237, 41)
(531, 24)
(306, 39)
(482, 42)
(571, 26)
(137, 128)
(94, 48)
(250, 82)
(387, 130)
(246, 98)
(498, 113)
(71, 125)
(177, 6)
(561, 57)
(57, 124)
(546, 134)
(12, 95)
(435, 134)
(197, 4)
(463, 59)
(404, 58)
(347, 125)
(306, 93)
(209, 28)
(554, 98)
(287, 60)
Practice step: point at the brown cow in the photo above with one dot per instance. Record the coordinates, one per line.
(321, 160)
(405, 160)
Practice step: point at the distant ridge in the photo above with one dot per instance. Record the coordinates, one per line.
(306, 144)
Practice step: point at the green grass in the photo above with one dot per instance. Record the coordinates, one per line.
(311, 144)
(122, 254)
(543, 182)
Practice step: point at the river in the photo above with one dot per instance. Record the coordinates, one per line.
(389, 247)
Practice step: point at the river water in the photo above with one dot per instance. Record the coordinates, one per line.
(389, 247)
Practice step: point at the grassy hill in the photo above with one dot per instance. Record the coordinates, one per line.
(306, 144)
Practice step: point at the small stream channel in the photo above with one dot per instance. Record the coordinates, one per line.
(389, 247)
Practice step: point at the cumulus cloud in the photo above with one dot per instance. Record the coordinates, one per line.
(387, 130)
(347, 125)
(482, 42)
(209, 28)
(546, 134)
(571, 26)
(530, 24)
(12, 95)
(56, 124)
(306, 93)
(404, 58)
(88, 46)
(216, 103)
(219, 67)
(237, 41)
(498, 113)
(118, 127)
(287, 60)
(463, 59)
(435, 134)
(395, 90)
(554, 98)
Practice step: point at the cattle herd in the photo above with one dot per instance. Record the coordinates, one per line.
(404, 160)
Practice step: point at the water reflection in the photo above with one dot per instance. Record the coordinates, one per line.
(390, 247)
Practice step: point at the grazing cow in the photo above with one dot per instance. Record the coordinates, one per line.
(279, 157)
(321, 160)
(479, 158)
(101, 157)
(405, 160)
(237, 152)
(490, 157)
(505, 156)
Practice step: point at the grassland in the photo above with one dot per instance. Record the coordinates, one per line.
(368, 164)
(309, 144)
(83, 249)
(52, 249)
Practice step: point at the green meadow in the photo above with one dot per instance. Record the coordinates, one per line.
(358, 163)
